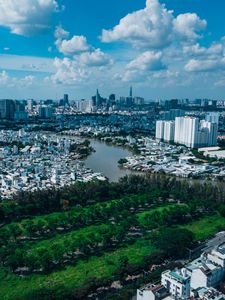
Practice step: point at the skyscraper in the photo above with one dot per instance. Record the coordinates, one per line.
(98, 99)
(169, 128)
(159, 135)
(165, 131)
(210, 131)
(131, 92)
(192, 133)
(7, 109)
(66, 99)
(186, 131)
(212, 117)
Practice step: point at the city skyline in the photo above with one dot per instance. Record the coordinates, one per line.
(164, 49)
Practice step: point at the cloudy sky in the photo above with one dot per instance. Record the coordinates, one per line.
(164, 48)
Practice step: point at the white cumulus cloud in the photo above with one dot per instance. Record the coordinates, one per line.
(68, 72)
(60, 33)
(70, 47)
(155, 27)
(97, 58)
(148, 27)
(79, 50)
(147, 61)
(189, 25)
(208, 65)
(15, 82)
(27, 17)
(76, 44)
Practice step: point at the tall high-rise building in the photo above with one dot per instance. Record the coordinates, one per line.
(186, 131)
(66, 99)
(169, 129)
(112, 98)
(30, 104)
(159, 135)
(138, 100)
(210, 131)
(85, 105)
(172, 114)
(212, 117)
(45, 112)
(193, 133)
(7, 109)
(131, 92)
(165, 131)
(98, 99)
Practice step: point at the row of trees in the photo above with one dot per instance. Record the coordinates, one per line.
(72, 247)
(26, 204)
(102, 237)
(178, 214)
(53, 200)
(124, 268)
(50, 225)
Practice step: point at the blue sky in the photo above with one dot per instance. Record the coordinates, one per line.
(51, 47)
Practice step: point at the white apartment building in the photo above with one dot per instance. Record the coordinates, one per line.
(193, 134)
(210, 131)
(165, 131)
(160, 130)
(169, 129)
(186, 131)
(177, 282)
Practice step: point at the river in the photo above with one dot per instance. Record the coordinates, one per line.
(105, 160)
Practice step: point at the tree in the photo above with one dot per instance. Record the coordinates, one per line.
(123, 261)
(172, 241)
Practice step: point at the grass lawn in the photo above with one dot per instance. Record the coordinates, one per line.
(13, 287)
(206, 227)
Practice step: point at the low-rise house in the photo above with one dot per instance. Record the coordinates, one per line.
(152, 292)
(177, 282)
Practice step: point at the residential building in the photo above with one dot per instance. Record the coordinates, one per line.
(210, 131)
(212, 117)
(207, 294)
(45, 112)
(177, 282)
(160, 130)
(186, 131)
(207, 275)
(152, 292)
(172, 114)
(169, 130)
(192, 133)
(217, 256)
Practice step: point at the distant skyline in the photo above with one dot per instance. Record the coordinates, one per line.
(163, 48)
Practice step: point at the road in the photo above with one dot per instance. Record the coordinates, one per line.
(214, 242)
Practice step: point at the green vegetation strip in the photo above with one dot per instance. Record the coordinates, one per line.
(206, 227)
(52, 224)
(12, 287)
(141, 216)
